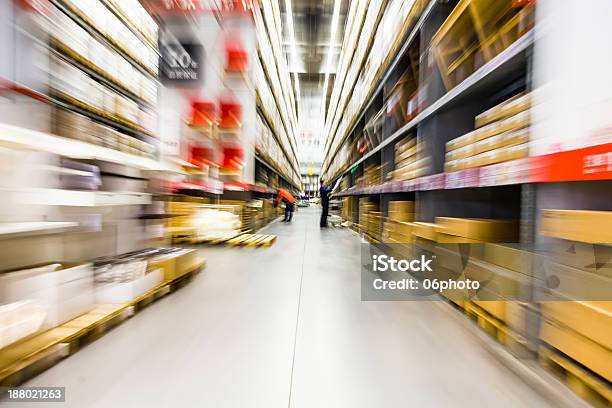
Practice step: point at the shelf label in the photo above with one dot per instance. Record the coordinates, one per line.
(590, 163)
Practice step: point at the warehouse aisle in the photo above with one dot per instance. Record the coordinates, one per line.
(229, 339)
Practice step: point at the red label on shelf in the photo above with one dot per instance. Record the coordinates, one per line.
(589, 163)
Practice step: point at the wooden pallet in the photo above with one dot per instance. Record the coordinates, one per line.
(31, 356)
(588, 385)
(252, 240)
(496, 328)
(26, 358)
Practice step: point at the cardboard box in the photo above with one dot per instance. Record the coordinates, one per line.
(512, 106)
(574, 284)
(480, 229)
(509, 256)
(461, 152)
(590, 319)
(454, 239)
(461, 141)
(499, 283)
(497, 308)
(401, 206)
(123, 292)
(592, 258)
(424, 230)
(165, 262)
(578, 225)
(585, 351)
(401, 216)
(186, 261)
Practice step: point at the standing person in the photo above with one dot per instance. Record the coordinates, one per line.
(286, 197)
(324, 192)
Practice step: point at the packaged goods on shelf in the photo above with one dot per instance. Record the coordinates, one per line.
(372, 175)
(578, 225)
(426, 230)
(508, 256)
(19, 320)
(502, 135)
(401, 211)
(594, 258)
(474, 33)
(585, 351)
(480, 229)
(398, 232)
(516, 104)
(64, 290)
(408, 163)
(592, 319)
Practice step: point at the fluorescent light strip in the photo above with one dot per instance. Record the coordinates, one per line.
(296, 79)
(332, 41)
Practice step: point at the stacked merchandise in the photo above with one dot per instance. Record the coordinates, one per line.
(399, 225)
(475, 32)
(244, 211)
(42, 297)
(408, 165)
(475, 230)
(369, 219)
(372, 176)
(505, 271)
(577, 321)
(182, 224)
(217, 222)
(124, 278)
(347, 209)
(501, 135)
(107, 72)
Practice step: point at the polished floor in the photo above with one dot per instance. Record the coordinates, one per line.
(285, 327)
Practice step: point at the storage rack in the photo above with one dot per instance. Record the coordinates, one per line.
(518, 189)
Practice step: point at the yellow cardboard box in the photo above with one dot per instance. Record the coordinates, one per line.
(509, 256)
(585, 351)
(425, 230)
(578, 225)
(480, 229)
(590, 319)
(401, 206)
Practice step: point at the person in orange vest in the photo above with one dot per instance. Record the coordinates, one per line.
(286, 197)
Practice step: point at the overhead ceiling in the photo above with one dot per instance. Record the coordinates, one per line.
(312, 24)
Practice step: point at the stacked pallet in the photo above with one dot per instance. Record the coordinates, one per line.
(501, 135)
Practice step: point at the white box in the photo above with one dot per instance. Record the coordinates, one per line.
(127, 291)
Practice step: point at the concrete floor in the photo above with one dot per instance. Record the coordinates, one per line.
(285, 327)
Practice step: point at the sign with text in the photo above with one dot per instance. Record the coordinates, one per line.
(181, 63)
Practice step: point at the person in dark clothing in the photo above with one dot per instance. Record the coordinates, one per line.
(324, 192)
(286, 197)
